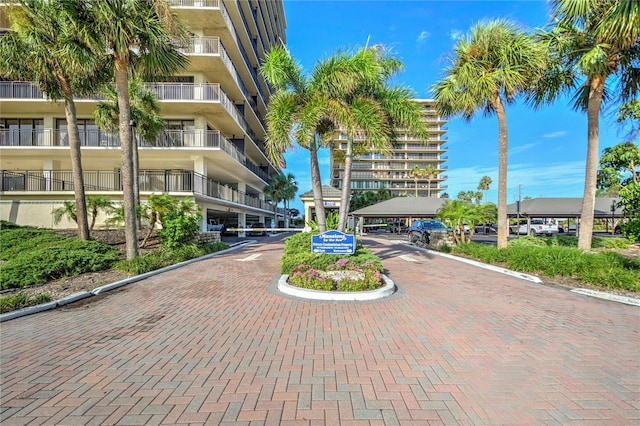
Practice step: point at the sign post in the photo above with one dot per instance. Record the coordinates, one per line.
(333, 242)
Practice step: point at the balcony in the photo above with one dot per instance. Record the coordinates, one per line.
(110, 181)
(96, 138)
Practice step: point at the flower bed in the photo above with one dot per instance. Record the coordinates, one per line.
(343, 275)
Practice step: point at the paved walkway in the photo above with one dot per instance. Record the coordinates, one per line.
(213, 343)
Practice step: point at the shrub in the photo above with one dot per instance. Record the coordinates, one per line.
(165, 256)
(68, 257)
(22, 300)
(305, 276)
(178, 229)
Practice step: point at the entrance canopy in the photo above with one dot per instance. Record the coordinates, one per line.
(565, 208)
(402, 207)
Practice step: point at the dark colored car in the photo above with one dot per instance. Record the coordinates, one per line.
(259, 229)
(421, 230)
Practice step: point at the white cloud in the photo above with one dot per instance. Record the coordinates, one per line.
(422, 37)
(455, 34)
(555, 134)
(522, 148)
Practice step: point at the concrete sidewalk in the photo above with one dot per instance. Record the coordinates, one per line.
(214, 343)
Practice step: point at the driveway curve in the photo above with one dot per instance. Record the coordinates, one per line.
(215, 343)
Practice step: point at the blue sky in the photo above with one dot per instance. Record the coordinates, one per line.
(547, 147)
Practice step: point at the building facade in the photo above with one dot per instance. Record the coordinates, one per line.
(392, 171)
(212, 149)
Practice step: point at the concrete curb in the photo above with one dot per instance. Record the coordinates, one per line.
(586, 292)
(498, 269)
(304, 293)
(102, 289)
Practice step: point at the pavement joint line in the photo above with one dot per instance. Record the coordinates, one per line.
(84, 294)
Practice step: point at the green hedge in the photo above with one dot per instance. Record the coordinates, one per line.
(559, 257)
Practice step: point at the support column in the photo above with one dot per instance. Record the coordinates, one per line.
(242, 222)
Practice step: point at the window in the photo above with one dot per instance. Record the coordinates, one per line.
(22, 132)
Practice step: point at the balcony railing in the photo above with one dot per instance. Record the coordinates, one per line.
(195, 3)
(97, 138)
(109, 180)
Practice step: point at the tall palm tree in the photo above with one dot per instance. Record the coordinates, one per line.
(377, 110)
(487, 70)
(429, 174)
(275, 190)
(305, 109)
(483, 186)
(47, 47)
(288, 192)
(141, 37)
(145, 113)
(416, 173)
(590, 42)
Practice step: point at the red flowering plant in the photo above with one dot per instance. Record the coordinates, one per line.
(343, 275)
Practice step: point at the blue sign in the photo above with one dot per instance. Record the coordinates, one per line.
(333, 242)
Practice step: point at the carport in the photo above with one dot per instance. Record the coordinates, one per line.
(399, 210)
(565, 208)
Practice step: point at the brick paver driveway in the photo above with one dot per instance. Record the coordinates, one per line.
(213, 343)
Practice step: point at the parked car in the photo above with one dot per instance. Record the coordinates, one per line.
(420, 230)
(257, 229)
(538, 227)
(229, 229)
(486, 228)
(213, 225)
(617, 230)
(465, 227)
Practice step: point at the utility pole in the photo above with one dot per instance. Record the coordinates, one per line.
(518, 209)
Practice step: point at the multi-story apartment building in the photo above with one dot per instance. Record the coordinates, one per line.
(392, 170)
(212, 150)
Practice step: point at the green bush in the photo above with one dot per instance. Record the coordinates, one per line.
(22, 300)
(68, 257)
(545, 256)
(165, 256)
(18, 240)
(178, 229)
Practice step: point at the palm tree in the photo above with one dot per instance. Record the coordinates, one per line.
(488, 68)
(304, 109)
(288, 192)
(377, 109)
(46, 47)
(588, 43)
(142, 38)
(416, 173)
(429, 174)
(145, 113)
(483, 186)
(95, 203)
(273, 191)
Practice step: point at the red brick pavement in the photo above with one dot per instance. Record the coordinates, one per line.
(213, 343)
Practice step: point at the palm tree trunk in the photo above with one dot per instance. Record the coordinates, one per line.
(136, 178)
(589, 198)
(316, 184)
(429, 187)
(503, 140)
(76, 168)
(345, 196)
(128, 192)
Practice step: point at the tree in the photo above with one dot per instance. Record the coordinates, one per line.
(305, 109)
(483, 186)
(429, 174)
(619, 175)
(457, 214)
(487, 70)
(377, 110)
(142, 38)
(630, 112)
(47, 47)
(288, 192)
(590, 42)
(416, 173)
(145, 113)
(273, 191)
